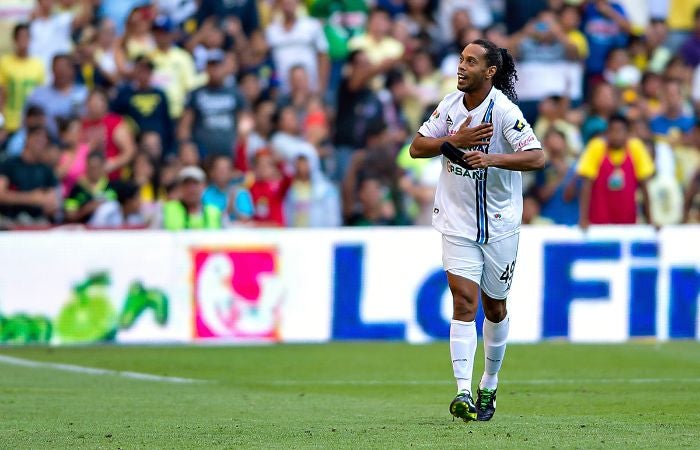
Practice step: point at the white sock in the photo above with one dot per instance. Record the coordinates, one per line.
(495, 338)
(462, 349)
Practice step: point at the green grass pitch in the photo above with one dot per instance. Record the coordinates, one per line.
(350, 395)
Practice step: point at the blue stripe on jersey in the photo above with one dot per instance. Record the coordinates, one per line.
(482, 221)
(478, 212)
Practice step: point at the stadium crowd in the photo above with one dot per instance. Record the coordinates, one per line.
(202, 114)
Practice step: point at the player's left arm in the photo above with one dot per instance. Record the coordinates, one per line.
(526, 152)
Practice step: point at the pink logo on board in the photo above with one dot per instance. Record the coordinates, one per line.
(237, 294)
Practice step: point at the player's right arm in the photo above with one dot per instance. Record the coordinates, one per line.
(434, 133)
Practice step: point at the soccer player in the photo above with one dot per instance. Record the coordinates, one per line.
(478, 209)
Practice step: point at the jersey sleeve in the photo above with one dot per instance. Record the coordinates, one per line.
(436, 125)
(518, 132)
(641, 160)
(591, 158)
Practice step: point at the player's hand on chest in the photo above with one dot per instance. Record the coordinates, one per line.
(466, 137)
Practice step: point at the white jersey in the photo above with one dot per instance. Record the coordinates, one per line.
(483, 205)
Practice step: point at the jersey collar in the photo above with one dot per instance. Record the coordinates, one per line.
(488, 96)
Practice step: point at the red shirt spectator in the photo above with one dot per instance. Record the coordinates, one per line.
(269, 190)
(108, 132)
(613, 169)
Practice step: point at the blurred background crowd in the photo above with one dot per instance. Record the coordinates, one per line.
(203, 114)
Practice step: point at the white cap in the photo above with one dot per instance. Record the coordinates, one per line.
(192, 173)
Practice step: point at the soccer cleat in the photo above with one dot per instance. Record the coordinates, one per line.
(485, 404)
(462, 407)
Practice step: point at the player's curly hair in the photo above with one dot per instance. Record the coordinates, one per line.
(506, 75)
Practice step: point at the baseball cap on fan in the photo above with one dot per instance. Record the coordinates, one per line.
(193, 173)
(163, 23)
(215, 56)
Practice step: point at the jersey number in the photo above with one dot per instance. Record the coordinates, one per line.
(507, 275)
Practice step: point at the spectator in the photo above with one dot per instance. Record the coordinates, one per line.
(478, 11)
(188, 212)
(74, 153)
(34, 117)
(108, 132)
(269, 189)
(613, 169)
(651, 88)
(249, 87)
(89, 72)
(375, 206)
(19, 75)
(245, 10)
(620, 72)
(257, 137)
(606, 26)
(603, 104)
(553, 113)
(90, 191)
(62, 98)
(286, 141)
(257, 59)
(105, 49)
(179, 11)
(229, 196)
(300, 93)
(419, 21)
(570, 20)
(11, 14)
(174, 67)
(419, 184)
(545, 53)
(376, 43)
(51, 31)
(690, 50)
(28, 194)
(296, 41)
(543, 39)
(657, 53)
(424, 86)
(149, 142)
(358, 106)
(392, 98)
(137, 39)
(209, 37)
(119, 11)
(211, 114)
(145, 105)
(312, 200)
(188, 154)
(552, 181)
(665, 192)
(376, 160)
(125, 211)
(342, 22)
(673, 120)
(145, 174)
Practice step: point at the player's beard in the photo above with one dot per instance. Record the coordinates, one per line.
(470, 85)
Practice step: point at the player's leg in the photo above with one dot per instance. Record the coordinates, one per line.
(463, 329)
(499, 266)
(463, 262)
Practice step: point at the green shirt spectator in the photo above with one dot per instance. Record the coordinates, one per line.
(85, 197)
(176, 217)
(188, 212)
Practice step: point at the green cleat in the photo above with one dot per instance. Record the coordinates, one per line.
(462, 407)
(485, 403)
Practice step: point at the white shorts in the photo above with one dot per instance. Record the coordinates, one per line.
(491, 265)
